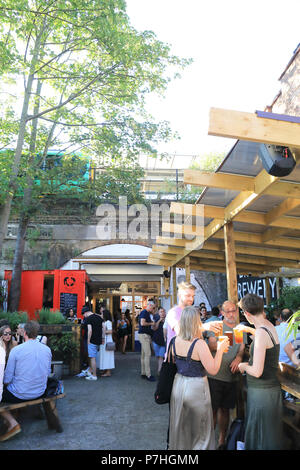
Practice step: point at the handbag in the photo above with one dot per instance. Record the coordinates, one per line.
(167, 374)
(110, 346)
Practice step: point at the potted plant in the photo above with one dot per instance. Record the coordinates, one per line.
(64, 348)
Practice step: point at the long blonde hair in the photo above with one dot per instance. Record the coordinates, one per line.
(190, 324)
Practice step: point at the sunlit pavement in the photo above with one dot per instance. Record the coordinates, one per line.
(112, 413)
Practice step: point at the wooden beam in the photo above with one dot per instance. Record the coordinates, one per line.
(183, 229)
(174, 250)
(187, 269)
(166, 256)
(179, 242)
(159, 262)
(271, 218)
(240, 183)
(288, 242)
(247, 126)
(218, 180)
(195, 210)
(246, 237)
(266, 251)
(283, 208)
(261, 182)
(273, 234)
(285, 189)
(249, 267)
(218, 269)
(243, 259)
(231, 273)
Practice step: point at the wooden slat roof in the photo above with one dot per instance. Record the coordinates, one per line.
(265, 210)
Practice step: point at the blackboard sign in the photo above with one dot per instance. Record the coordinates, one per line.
(68, 301)
(256, 285)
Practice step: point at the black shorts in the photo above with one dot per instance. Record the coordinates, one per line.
(123, 332)
(223, 394)
(8, 397)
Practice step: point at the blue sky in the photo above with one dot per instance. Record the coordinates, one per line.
(240, 49)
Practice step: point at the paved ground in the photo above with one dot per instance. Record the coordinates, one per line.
(115, 413)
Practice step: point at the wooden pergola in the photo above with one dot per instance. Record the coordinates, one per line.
(246, 221)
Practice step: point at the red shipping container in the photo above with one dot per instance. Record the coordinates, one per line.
(56, 289)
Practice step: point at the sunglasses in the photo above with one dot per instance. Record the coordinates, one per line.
(7, 334)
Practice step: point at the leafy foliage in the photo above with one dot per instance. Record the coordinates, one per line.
(47, 317)
(14, 318)
(293, 325)
(289, 298)
(86, 73)
(63, 347)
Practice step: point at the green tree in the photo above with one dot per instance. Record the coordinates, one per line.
(95, 70)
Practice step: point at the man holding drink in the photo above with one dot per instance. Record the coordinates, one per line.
(223, 385)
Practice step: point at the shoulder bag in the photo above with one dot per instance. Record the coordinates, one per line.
(110, 346)
(167, 374)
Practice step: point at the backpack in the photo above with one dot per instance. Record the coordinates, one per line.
(236, 435)
(54, 386)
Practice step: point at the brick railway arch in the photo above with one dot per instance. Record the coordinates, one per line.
(116, 248)
(119, 275)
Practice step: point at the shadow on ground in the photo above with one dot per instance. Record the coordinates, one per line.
(112, 413)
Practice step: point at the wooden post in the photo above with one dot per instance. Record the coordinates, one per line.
(268, 291)
(174, 286)
(75, 363)
(232, 293)
(166, 283)
(278, 287)
(231, 273)
(187, 269)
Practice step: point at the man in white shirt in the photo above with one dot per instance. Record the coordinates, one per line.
(26, 374)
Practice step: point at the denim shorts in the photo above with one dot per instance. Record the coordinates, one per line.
(159, 350)
(93, 349)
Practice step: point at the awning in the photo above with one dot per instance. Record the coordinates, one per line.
(254, 215)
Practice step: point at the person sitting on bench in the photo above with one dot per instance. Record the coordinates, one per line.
(26, 374)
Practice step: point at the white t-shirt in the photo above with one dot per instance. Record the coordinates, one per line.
(2, 366)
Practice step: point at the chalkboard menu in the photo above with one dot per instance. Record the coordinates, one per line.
(68, 301)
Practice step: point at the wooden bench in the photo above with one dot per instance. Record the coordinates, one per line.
(49, 406)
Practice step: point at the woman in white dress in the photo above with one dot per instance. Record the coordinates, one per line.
(107, 358)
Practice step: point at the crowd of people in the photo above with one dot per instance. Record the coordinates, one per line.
(205, 386)
(209, 369)
(97, 334)
(210, 364)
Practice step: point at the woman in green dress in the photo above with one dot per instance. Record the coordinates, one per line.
(263, 430)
